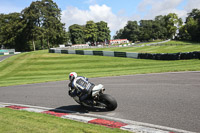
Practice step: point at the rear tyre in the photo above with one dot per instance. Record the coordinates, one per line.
(109, 101)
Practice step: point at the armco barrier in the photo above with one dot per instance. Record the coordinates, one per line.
(131, 55)
(71, 52)
(162, 56)
(80, 52)
(8, 52)
(57, 51)
(98, 53)
(120, 54)
(64, 51)
(108, 53)
(11, 53)
(88, 52)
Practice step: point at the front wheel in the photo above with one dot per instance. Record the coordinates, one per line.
(109, 101)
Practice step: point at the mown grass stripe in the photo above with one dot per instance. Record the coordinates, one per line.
(41, 66)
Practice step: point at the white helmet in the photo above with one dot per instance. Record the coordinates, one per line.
(72, 76)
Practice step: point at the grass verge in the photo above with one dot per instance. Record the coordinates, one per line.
(41, 66)
(15, 121)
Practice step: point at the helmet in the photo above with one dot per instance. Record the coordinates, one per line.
(72, 76)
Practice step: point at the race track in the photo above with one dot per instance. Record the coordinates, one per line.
(4, 57)
(166, 99)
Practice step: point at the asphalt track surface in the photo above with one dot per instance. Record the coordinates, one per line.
(4, 57)
(166, 99)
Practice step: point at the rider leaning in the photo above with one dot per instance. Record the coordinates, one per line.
(81, 87)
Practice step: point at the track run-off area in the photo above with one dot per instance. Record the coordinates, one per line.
(165, 99)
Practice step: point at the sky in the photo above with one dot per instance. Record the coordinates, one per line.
(115, 12)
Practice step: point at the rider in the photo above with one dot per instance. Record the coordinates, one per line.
(81, 87)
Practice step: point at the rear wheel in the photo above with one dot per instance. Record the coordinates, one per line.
(109, 101)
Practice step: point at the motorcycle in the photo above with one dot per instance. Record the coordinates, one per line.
(99, 99)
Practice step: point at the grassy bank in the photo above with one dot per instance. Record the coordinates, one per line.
(168, 47)
(14, 121)
(181, 43)
(41, 66)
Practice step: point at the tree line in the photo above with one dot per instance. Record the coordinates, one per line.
(91, 32)
(191, 30)
(36, 27)
(163, 27)
(39, 26)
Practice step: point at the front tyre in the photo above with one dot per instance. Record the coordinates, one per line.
(109, 101)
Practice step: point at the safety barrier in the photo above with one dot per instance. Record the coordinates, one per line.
(8, 51)
(162, 56)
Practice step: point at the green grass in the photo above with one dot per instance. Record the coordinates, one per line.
(15, 121)
(41, 66)
(155, 41)
(181, 43)
(169, 47)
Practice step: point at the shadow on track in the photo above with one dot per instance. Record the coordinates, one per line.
(79, 109)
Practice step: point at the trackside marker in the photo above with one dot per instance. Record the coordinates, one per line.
(107, 123)
(34, 110)
(54, 113)
(16, 107)
(142, 129)
(78, 118)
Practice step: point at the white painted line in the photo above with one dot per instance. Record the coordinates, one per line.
(142, 129)
(34, 110)
(78, 118)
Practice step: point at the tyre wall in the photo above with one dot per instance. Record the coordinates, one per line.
(153, 56)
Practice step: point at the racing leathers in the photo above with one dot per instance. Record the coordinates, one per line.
(82, 88)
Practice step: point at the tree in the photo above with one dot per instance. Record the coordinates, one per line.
(11, 27)
(103, 31)
(33, 16)
(131, 31)
(195, 14)
(91, 31)
(183, 34)
(172, 24)
(193, 24)
(43, 22)
(77, 34)
(118, 34)
(191, 30)
(160, 30)
(53, 27)
(146, 30)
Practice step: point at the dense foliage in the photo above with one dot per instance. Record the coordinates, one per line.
(39, 26)
(162, 27)
(36, 27)
(191, 30)
(91, 32)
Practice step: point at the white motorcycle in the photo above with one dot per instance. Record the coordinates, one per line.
(99, 99)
